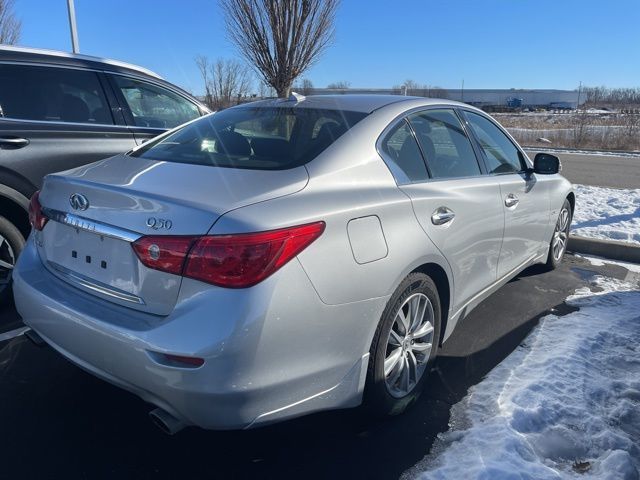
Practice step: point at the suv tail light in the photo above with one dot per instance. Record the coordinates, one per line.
(232, 261)
(36, 217)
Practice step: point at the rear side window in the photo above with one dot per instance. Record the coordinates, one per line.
(501, 154)
(153, 106)
(265, 138)
(444, 143)
(403, 155)
(52, 95)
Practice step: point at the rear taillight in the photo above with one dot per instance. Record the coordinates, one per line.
(232, 261)
(163, 252)
(36, 217)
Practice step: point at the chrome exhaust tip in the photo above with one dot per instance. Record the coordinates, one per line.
(166, 422)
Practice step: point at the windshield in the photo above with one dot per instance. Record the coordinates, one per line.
(264, 138)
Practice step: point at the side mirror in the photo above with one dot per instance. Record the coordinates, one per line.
(546, 164)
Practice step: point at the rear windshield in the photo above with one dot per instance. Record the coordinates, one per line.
(263, 138)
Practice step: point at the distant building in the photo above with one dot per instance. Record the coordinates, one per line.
(483, 98)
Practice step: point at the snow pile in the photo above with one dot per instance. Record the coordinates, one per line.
(607, 213)
(565, 404)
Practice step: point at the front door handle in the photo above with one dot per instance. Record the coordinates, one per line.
(13, 142)
(511, 200)
(442, 216)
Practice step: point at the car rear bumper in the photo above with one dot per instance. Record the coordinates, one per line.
(272, 352)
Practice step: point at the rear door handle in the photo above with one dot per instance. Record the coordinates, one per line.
(442, 216)
(13, 142)
(511, 200)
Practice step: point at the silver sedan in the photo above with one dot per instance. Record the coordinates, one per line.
(286, 256)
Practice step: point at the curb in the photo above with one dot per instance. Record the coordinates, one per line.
(611, 249)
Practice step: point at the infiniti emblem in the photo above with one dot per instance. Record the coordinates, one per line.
(78, 201)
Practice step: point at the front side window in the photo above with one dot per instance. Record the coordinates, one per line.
(52, 95)
(445, 145)
(501, 154)
(264, 138)
(403, 156)
(153, 106)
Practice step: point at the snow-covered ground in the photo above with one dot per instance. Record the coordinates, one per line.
(563, 405)
(607, 213)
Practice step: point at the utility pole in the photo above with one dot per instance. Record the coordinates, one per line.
(579, 91)
(462, 92)
(72, 25)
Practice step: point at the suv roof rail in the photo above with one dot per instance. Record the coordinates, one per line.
(57, 53)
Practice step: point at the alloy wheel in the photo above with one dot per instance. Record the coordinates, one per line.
(561, 235)
(7, 262)
(409, 345)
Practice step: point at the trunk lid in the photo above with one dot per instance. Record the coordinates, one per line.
(130, 197)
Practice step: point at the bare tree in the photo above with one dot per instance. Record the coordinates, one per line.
(581, 121)
(280, 38)
(341, 85)
(305, 87)
(265, 90)
(411, 87)
(10, 26)
(226, 82)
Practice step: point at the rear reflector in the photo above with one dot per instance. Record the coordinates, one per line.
(187, 361)
(36, 217)
(231, 261)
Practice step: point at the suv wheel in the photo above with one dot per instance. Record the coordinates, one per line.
(11, 244)
(404, 346)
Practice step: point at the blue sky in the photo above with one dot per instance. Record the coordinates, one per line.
(379, 43)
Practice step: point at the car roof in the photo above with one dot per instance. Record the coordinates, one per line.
(55, 57)
(364, 103)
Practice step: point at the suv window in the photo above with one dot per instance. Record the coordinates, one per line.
(52, 94)
(501, 154)
(153, 106)
(446, 147)
(264, 138)
(403, 155)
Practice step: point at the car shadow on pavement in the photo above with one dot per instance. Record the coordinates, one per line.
(77, 426)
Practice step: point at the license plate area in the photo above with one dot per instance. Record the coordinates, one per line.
(105, 260)
(106, 267)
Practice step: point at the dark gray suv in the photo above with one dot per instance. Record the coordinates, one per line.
(59, 111)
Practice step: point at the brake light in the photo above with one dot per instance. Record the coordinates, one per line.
(231, 261)
(36, 217)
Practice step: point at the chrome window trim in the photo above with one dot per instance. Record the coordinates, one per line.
(93, 285)
(91, 226)
(404, 116)
(57, 122)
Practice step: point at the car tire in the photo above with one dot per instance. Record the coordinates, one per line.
(387, 391)
(11, 244)
(560, 239)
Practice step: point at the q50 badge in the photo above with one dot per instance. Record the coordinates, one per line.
(159, 223)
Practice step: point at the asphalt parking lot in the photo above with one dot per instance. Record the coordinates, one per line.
(614, 171)
(60, 422)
